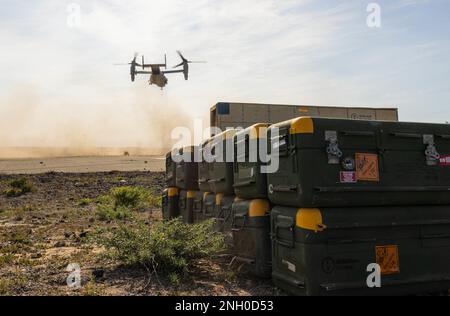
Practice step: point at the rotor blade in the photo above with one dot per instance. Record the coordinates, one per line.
(181, 55)
(197, 62)
(179, 65)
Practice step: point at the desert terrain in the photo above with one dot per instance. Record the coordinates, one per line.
(48, 228)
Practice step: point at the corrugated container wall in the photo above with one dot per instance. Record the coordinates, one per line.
(231, 115)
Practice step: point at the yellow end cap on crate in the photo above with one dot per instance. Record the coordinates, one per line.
(219, 198)
(190, 194)
(310, 219)
(259, 208)
(256, 131)
(172, 192)
(302, 125)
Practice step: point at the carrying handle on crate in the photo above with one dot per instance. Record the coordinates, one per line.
(290, 227)
(244, 183)
(358, 133)
(216, 180)
(283, 188)
(406, 135)
(233, 225)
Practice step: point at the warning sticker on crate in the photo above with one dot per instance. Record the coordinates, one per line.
(388, 259)
(367, 167)
(445, 161)
(348, 177)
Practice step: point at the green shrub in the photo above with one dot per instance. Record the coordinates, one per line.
(127, 196)
(134, 198)
(19, 187)
(170, 247)
(13, 192)
(6, 259)
(85, 202)
(108, 213)
(121, 203)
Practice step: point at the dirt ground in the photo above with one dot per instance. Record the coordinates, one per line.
(44, 231)
(82, 164)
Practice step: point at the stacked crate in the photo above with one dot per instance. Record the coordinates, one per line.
(351, 194)
(346, 195)
(187, 181)
(221, 180)
(170, 197)
(251, 210)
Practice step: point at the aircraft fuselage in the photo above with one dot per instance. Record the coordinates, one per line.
(158, 79)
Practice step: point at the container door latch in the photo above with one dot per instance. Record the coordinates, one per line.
(333, 151)
(431, 153)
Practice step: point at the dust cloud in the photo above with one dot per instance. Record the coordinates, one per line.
(138, 121)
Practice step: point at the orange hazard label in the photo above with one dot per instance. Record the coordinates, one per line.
(367, 167)
(388, 259)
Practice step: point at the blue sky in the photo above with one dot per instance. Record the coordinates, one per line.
(58, 84)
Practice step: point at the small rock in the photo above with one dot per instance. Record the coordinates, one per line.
(60, 244)
(36, 256)
(123, 181)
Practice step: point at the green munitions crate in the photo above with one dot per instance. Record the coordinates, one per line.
(187, 169)
(186, 205)
(170, 203)
(209, 205)
(251, 236)
(224, 215)
(249, 181)
(332, 162)
(221, 170)
(171, 167)
(203, 169)
(328, 251)
(198, 207)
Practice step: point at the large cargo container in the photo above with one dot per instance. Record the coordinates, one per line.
(249, 181)
(333, 251)
(332, 162)
(231, 115)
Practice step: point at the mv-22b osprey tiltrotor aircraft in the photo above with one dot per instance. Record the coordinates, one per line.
(157, 76)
